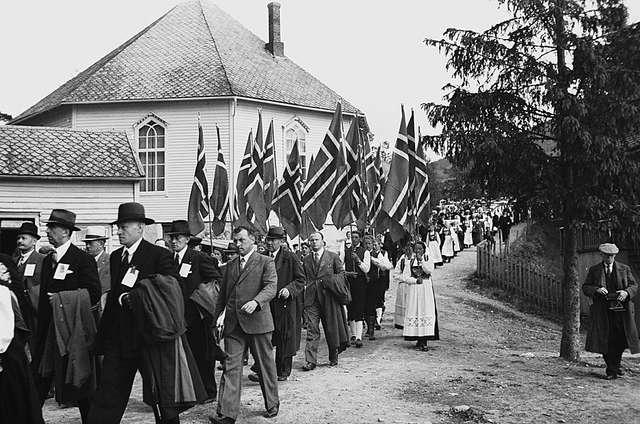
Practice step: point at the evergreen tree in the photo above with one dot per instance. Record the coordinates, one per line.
(543, 110)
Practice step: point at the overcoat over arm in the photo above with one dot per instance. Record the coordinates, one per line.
(318, 277)
(291, 277)
(202, 269)
(598, 335)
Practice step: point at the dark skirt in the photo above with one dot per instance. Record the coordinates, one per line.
(19, 400)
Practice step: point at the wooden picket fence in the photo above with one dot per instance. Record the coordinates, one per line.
(520, 278)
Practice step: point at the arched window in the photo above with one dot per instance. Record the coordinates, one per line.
(151, 153)
(293, 133)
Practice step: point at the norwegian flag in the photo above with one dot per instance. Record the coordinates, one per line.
(396, 193)
(287, 201)
(242, 212)
(270, 171)
(255, 187)
(198, 208)
(321, 177)
(375, 182)
(411, 200)
(348, 190)
(422, 186)
(219, 200)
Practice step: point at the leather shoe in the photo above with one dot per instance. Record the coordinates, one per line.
(282, 378)
(254, 377)
(620, 373)
(308, 367)
(358, 343)
(271, 412)
(221, 420)
(611, 376)
(333, 363)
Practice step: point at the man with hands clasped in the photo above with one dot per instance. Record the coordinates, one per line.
(611, 285)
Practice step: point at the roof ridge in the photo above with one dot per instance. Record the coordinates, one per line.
(40, 127)
(92, 69)
(215, 44)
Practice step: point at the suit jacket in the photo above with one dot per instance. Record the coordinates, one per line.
(82, 274)
(291, 277)
(318, 278)
(32, 284)
(257, 281)
(115, 331)
(104, 271)
(598, 335)
(203, 270)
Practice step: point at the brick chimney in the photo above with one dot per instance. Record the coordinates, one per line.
(275, 46)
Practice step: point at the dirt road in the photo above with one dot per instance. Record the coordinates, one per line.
(499, 362)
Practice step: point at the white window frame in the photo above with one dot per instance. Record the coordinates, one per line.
(301, 131)
(157, 122)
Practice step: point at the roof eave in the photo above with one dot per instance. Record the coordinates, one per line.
(68, 178)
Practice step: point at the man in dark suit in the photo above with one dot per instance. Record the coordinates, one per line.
(322, 268)
(29, 263)
(249, 283)
(196, 269)
(611, 285)
(286, 317)
(95, 241)
(118, 341)
(67, 268)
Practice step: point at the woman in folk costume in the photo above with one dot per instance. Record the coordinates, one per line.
(447, 246)
(19, 400)
(377, 285)
(455, 237)
(401, 273)
(478, 231)
(468, 236)
(434, 248)
(421, 316)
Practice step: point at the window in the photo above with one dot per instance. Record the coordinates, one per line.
(151, 152)
(290, 137)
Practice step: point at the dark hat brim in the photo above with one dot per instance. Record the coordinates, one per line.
(90, 238)
(171, 233)
(37, 237)
(147, 221)
(63, 224)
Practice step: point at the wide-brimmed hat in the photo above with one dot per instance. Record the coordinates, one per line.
(132, 211)
(609, 249)
(29, 228)
(180, 226)
(95, 233)
(232, 248)
(63, 218)
(276, 233)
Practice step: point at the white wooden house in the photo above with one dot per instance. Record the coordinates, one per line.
(194, 61)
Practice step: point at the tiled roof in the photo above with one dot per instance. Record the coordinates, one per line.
(195, 50)
(47, 152)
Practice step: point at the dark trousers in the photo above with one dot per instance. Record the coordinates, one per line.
(231, 382)
(114, 390)
(44, 386)
(617, 343)
(283, 364)
(313, 315)
(202, 346)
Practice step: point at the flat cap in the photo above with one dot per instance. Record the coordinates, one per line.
(609, 249)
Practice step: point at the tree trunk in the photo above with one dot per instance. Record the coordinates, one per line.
(570, 343)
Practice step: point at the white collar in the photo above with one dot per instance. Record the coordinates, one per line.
(133, 248)
(98, 255)
(62, 250)
(26, 255)
(319, 253)
(276, 252)
(246, 257)
(181, 253)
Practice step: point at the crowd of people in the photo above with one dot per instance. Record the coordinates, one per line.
(79, 324)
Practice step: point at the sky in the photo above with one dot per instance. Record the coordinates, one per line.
(371, 52)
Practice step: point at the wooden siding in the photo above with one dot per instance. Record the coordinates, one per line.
(181, 141)
(59, 117)
(95, 203)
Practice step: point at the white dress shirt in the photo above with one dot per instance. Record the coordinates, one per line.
(181, 254)
(131, 250)
(62, 250)
(25, 256)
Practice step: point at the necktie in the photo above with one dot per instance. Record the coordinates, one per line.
(317, 257)
(125, 258)
(242, 263)
(21, 261)
(176, 259)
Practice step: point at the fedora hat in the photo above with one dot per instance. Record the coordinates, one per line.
(132, 211)
(29, 228)
(609, 249)
(276, 233)
(180, 226)
(63, 218)
(95, 233)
